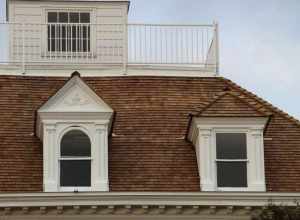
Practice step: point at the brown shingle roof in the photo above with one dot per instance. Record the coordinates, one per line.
(229, 104)
(148, 150)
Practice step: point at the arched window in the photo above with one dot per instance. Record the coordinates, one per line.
(75, 159)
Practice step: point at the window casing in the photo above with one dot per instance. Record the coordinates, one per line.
(68, 32)
(225, 146)
(75, 108)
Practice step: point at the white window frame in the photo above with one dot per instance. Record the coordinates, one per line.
(98, 133)
(74, 105)
(60, 158)
(93, 33)
(214, 138)
(203, 134)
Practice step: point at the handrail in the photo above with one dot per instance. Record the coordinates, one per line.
(97, 43)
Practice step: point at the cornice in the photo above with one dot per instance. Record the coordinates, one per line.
(142, 203)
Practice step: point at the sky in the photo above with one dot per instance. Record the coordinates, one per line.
(259, 40)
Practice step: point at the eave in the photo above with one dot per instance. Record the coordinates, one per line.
(140, 202)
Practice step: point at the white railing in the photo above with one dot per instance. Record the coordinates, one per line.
(131, 44)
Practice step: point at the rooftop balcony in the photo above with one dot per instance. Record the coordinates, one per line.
(85, 45)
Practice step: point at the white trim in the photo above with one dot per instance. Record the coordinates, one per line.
(76, 83)
(74, 189)
(231, 160)
(92, 12)
(105, 70)
(203, 134)
(88, 113)
(60, 158)
(255, 199)
(75, 158)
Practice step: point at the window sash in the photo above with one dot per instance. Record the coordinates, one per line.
(66, 37)
(231, 160)
(245, 161)
(238, 150)
(74, 159)
(86, 19)
(242, 164)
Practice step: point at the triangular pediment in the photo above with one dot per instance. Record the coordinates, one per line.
(75, 96)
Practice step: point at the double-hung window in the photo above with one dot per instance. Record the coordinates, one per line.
(74, 126)
(75, 160)
(68, 32)
(230, 152)
(231, 160)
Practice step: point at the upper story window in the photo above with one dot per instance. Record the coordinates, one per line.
(69, 32)
(230, 152)
(231, 159)
(74, 126)
(75, 160)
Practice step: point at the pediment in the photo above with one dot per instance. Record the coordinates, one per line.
(75, 96)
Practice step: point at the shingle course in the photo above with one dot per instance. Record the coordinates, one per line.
(147, 150)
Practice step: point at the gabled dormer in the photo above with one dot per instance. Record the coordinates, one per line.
(74, 125)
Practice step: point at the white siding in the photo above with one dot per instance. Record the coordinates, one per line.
(108, 35)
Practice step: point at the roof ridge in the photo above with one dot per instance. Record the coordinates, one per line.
(261, 101)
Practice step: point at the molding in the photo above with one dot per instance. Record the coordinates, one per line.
(225, 203)
(206, 123)
(106, 70)
(202, 133)
(85, 104)
(74, 106)
(75, 93)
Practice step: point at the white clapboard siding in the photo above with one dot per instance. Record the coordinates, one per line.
(107, 30)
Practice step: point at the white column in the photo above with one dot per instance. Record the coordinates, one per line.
(205, 157)
(50, 159)
(256, 173)
(100, 159)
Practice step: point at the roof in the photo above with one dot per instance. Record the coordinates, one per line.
(148, 150)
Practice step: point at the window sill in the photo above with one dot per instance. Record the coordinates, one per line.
(70, 55)
(75, 189)
(233, 189)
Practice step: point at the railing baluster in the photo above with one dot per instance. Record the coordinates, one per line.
(116, 43)
(23, 50)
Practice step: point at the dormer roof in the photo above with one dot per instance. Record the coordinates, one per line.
(74, 101)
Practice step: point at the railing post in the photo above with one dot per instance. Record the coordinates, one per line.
(125, 47)
(23, 48)
(216, 38)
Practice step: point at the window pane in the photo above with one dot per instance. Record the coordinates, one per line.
(76, 143)
(231, 146)
(63, 17)
(84, 17)
(52, 16)
(75, 173)
(74, 17)
(232, 174)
